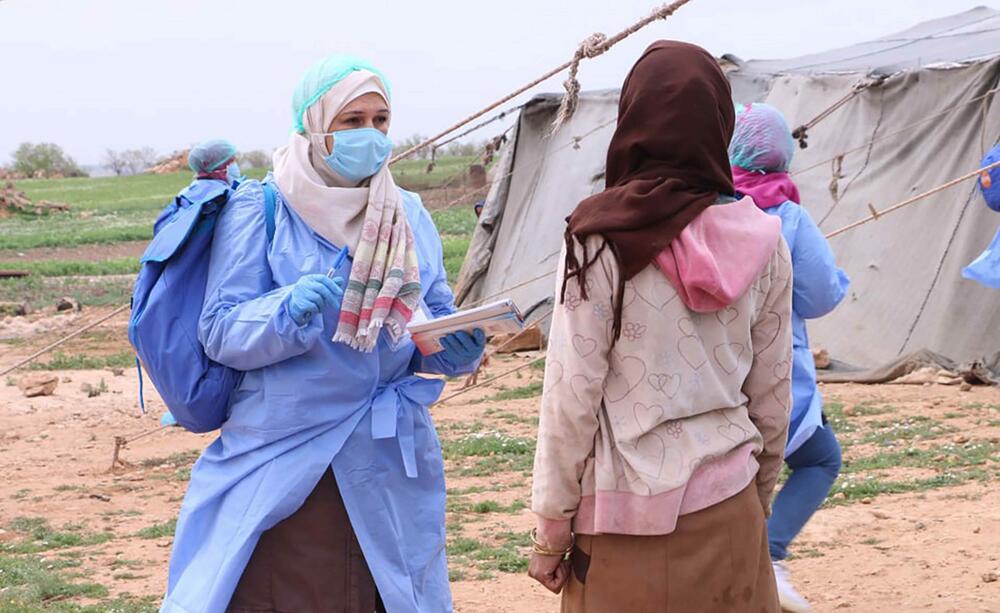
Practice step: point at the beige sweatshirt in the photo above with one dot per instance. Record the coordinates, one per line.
(685, 411)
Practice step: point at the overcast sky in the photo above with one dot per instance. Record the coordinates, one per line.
(97, 74)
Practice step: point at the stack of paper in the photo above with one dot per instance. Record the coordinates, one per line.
(500, 317)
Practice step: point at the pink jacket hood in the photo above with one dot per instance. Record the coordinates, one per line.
(719, 255)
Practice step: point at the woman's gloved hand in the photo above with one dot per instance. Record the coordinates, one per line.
(461, 348)
(311, 294)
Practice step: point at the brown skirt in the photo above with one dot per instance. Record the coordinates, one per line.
(715, 561)
(310, 562)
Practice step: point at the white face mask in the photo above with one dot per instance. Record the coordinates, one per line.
(233, 173)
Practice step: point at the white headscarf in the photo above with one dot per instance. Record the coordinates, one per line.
(330, 205)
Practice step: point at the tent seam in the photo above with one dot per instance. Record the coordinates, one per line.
(937, 273)
(868, 158)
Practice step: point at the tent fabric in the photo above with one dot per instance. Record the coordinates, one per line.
(963, 37)
(985, 370)
(914, 131)
(519, 235)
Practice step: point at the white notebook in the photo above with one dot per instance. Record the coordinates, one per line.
(500, 317)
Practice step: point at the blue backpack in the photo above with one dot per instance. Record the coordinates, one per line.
(166, 306)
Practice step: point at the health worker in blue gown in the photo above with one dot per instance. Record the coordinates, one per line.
(986, 268)
(216, 175)
(760, 153)
(325, 489)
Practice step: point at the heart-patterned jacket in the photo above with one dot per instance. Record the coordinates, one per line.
(684, 411)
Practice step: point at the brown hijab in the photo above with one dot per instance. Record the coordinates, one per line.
(667, 162)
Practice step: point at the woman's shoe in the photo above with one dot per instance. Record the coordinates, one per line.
(791, 601)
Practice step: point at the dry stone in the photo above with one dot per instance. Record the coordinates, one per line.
(67, 304)
(41, 384)
(14, 201)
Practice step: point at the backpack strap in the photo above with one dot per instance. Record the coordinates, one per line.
(142, 401)
(270, 203)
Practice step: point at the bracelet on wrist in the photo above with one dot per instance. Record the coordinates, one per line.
(542, 550)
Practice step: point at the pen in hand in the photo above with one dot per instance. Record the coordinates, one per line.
(329, 275)
(337, 262)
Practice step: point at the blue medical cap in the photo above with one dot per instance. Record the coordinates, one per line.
(209, 155)
(321, 77)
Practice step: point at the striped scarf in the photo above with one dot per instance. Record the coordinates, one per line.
(384, 288)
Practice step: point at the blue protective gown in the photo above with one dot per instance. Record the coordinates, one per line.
(818, 286)
(306, 404)
(986, 268)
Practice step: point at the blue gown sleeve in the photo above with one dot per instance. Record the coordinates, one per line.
(819, 284)
(986, 268)
(245, 322)
(440, 301)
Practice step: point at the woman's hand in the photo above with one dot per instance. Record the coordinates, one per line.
(461, 348)
(311, 294)
(550, 571)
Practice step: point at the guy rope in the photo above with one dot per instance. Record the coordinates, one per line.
(875, 214)
(595, 45)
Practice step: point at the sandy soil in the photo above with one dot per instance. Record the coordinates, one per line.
(929, 550)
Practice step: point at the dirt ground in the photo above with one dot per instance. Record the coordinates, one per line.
(128, 249)
(915, 525)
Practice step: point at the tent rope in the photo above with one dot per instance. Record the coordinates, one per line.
(508, 289)
(801, 133)
(469, 388)
(482, 124)
(660, 13)
(595, 45)
(63, 340)
(591, 47)
(879, 214)
(122, 442)
(902, 130)
(574, 143)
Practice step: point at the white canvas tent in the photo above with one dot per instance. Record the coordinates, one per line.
(930, 120)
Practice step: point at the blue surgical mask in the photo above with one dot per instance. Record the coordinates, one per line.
(233, 173)
(358, 153)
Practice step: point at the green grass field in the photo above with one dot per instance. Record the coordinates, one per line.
(115, 209)
(110, 210)
(103, 210)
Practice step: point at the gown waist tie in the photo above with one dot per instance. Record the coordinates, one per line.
(395, 409)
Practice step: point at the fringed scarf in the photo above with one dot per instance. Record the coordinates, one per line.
(384, 287)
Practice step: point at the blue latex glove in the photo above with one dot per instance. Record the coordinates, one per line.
(461, 348)
(311, 294)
